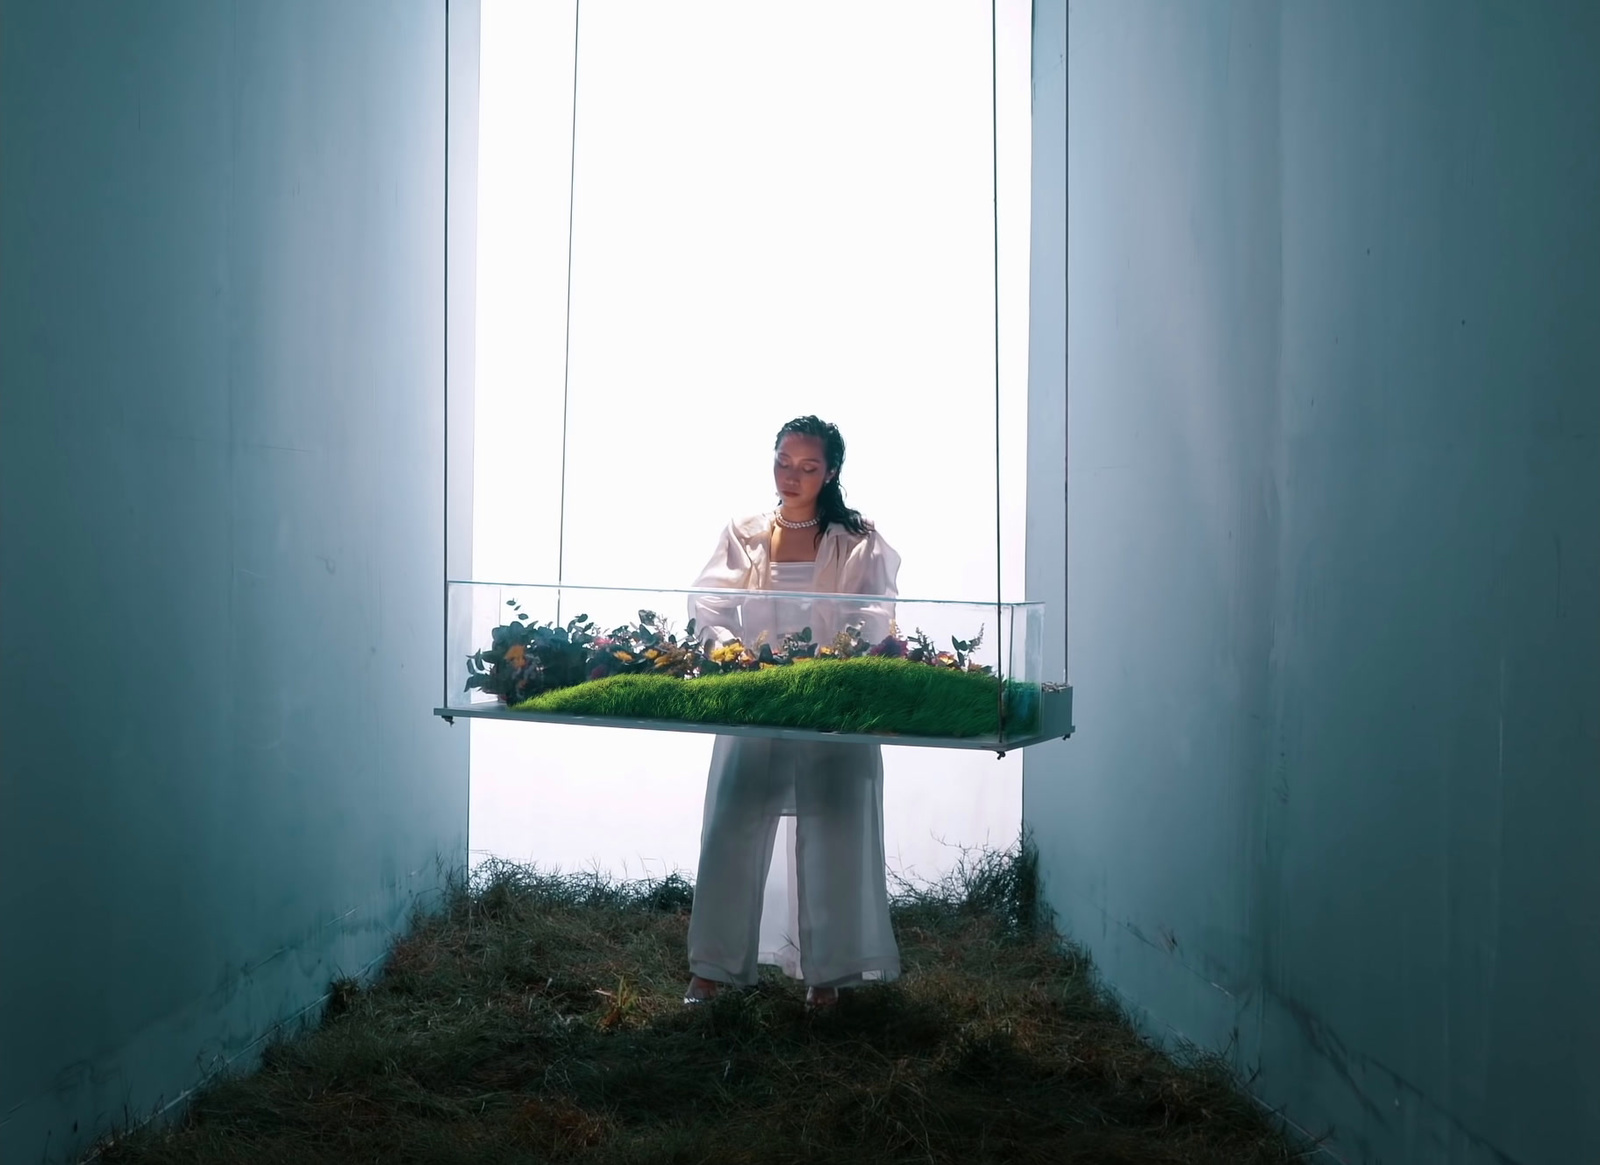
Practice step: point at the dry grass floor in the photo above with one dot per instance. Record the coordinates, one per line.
(539, 1018)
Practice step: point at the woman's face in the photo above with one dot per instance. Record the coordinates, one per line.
(799, 469)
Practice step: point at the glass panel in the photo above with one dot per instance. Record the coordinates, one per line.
(782, 659)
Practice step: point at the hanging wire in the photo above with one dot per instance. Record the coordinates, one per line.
(994, 161)
(1066, 398)
(444, 702)
(566, 352)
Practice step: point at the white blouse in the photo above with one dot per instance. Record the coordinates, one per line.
(847, 564)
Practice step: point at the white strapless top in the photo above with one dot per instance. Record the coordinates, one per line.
(779, 617)
(793, 576)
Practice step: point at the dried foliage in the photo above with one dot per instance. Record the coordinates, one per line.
(538, 1018)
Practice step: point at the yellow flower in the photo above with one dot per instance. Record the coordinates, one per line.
(651, 654)
(516, 655)
(623, 656)
(825, 651)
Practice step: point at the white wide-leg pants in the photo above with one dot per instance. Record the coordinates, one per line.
(836, 908)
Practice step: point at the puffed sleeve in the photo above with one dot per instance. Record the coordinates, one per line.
(873, 567)
(717, 617)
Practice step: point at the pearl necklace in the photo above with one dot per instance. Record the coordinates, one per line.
(788, 525)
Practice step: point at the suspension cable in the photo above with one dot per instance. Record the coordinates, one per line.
(444, 701)
(994, 161)
(566, 352)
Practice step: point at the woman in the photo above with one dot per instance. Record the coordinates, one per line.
(828, 921)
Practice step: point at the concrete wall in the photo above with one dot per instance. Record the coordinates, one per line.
(221, 508)
(1334, 356)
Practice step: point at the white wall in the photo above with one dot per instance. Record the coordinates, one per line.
(221, 264)
(1335, 570)
(778, 211)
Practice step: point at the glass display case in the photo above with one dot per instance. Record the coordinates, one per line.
(793, 664)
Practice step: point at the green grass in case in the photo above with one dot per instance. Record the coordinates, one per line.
(865, 695)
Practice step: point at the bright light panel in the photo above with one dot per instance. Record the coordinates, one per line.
(779, 209)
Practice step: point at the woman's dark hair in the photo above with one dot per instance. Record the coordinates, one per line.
(831, 508)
